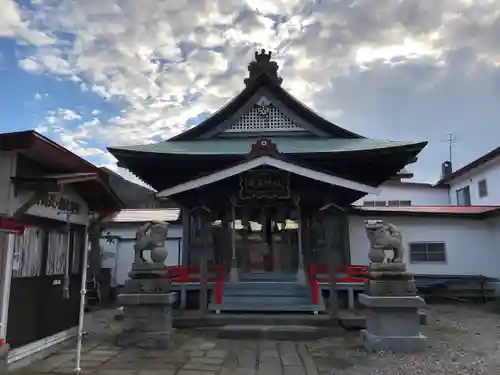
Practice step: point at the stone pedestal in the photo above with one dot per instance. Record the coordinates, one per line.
(392, 310)
(150, 317)
(4, 353)
(393, 323)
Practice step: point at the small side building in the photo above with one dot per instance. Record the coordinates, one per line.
(52, 194)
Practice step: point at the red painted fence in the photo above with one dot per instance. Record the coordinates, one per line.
(344, 274)
(192, 274)
(315, 273)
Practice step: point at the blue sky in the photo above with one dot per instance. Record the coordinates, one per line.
(114, 72)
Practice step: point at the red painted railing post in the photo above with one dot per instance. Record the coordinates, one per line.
(218, 284)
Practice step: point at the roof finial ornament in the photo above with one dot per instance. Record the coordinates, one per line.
(263, 65)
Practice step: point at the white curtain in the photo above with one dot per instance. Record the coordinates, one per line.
(28, 248)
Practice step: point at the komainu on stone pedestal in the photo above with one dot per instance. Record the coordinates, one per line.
(390, 298)
(151, 236)
(146, 298)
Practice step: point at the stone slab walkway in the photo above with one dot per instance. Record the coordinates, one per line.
(188, 356)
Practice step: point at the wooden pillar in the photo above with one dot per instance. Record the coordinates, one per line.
(186, 237)
(205, 241)
(301, 275)
(329, 221)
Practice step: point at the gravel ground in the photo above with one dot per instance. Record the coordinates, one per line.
(462, 340)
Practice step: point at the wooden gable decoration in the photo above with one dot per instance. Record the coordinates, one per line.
(263, 117)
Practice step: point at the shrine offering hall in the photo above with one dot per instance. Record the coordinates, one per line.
(265, 184)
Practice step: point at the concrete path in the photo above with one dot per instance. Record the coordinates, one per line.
(192, 355)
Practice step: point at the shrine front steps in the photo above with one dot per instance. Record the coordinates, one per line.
(266, 297)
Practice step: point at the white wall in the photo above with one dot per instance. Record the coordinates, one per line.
(472, 246)
(419, 195)
(490, 172)
(119, 255)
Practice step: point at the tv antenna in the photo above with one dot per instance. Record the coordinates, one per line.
(451, 140)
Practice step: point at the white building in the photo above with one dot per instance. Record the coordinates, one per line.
(118, 239)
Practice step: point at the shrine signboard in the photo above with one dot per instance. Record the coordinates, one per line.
(260, 184)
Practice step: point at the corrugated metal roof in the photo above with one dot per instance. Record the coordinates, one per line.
(243, 146)
(465, 210)
(144, 215)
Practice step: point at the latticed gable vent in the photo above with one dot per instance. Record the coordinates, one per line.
(262, 117)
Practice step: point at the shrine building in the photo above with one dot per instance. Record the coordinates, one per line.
(265, 185)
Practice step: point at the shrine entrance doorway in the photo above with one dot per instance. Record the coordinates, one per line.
(266, 237)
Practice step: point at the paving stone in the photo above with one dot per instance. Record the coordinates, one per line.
(103, 352)
(196, 353)
(66, 369)
(268, 369)
(294, 370)
(89, 364)
(206, 345)
(156, 372)
(53, 362)
(247, 358)
(155, 354)
(216, 353)
(174, 359)
(195, 372)
(118, 366)
(238, 371)
(156, 365)
(208, 361)
(191, 365)
(289, 355)
(116, 372)
(268, 353)
(308, 361)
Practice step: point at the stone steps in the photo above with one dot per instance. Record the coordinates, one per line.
(266, 296)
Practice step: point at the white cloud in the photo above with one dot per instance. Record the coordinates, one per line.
(30, 65)
(13, 25)
(372, 66)
(42, 129)
(40, 96)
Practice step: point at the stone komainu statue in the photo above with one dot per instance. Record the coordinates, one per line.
(384, 236)
(151, 236)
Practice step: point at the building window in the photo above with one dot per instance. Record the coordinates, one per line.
(463, 196)
(386, 203)
(483, 188)
(427, 252)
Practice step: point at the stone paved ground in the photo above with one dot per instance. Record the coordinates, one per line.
(462, 340)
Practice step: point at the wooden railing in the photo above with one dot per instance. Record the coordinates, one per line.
(343, 274)
(192, 274)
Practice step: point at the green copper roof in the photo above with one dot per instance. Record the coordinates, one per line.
(242, 146)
